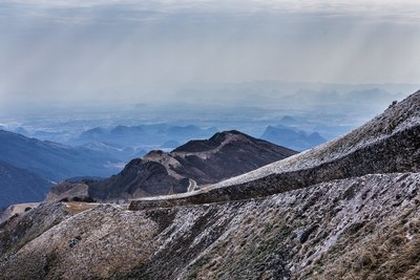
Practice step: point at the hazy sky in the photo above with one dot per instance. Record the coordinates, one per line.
(119, 50)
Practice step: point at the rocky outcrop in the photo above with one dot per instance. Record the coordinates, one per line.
(70, 191)
(16, 210)
(348, 209)
(198, 162)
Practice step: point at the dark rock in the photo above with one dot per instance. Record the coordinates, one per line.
(73, 242)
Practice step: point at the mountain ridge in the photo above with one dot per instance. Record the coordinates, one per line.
(198, 162)
(42, 157)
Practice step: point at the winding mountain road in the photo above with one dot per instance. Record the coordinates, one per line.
(192, 186)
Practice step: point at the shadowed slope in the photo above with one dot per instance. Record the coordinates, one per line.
(20, 185)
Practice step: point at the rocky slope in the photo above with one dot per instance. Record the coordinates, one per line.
(357, 228)
(198, 162)
(16, 210)
(348, 209)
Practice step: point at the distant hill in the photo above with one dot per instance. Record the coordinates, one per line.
(198, 162)
(150, 134)
(53, 161)
(121, 153)
(17, 185)
(290, 137)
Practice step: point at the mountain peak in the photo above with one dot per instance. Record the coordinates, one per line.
(218, 139)
(154, 153)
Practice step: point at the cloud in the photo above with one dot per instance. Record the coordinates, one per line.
(405, 10)
(91, 49)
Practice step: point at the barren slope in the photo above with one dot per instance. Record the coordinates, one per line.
(365, 226)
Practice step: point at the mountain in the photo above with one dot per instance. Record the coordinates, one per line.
(347, 209)
(198, 162)
(17, 185)
(53, 161)
(128, 142)
(123, 154)
(170, 144)
(143, 135)
(290, 137)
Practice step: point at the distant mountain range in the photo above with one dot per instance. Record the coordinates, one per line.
(153, 134)
(51, 160)
(127, 142)
(196, 163)
(29, 166)
(291, 137)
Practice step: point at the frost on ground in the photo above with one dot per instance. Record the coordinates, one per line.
(326, 231)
